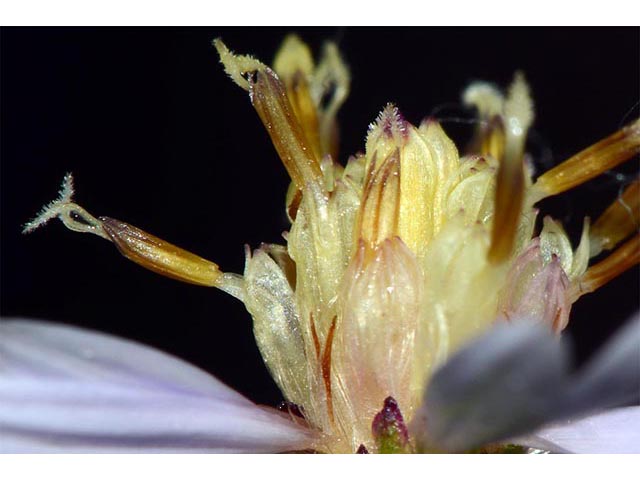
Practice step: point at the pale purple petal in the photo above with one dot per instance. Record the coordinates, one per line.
(35, 348)
(515, 378)
(504, 382)
(613, 431)
(612, 377)
(64, 389)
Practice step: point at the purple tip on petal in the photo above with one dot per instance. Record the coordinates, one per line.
(292, 409)
(392, 123)
(362, 449)
(389, 429)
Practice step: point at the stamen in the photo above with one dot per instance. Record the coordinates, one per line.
(326, 367)
(305, 111)
(510, 181)
(492, 139)
(314, 336)
(287, 135)
(603, 156)
(270, 101)
(380, 208)
(489, 138)
(159, 256)
(618, 221)
(294, 65)
(485, 97)
(508, 206)
(136, 245)
(329, 89)
(622, 259)
(293, 200)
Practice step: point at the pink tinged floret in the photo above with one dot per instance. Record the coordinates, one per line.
(536, 290)
(375, 340)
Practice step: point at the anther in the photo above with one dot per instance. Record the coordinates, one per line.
(618, 221)
(622, 259)
(510, 183)
(589, 163)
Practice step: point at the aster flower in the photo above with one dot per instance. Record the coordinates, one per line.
(413, 308)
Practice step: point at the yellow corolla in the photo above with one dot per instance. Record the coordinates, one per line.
(396, 259)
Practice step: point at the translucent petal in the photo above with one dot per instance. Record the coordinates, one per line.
(375, 350)
(474, 194)
(276, 325)
(461, 285)
(554, 241)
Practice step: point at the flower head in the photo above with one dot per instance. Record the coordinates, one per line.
(399, 258)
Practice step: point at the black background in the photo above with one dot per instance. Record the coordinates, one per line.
(158, 136)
